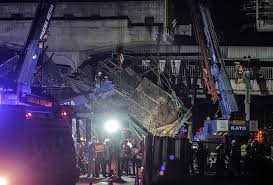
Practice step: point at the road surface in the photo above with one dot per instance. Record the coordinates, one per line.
(104, 181)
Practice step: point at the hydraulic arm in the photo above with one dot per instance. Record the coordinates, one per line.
(34, 45)
(201, 16)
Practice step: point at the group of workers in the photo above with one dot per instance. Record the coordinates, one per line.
(99, 156)
(234, 158)
(241, 157)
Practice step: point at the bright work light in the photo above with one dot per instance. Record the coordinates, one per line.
(3, 181)
(111, 126)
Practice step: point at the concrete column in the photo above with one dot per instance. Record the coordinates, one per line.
(247, 95)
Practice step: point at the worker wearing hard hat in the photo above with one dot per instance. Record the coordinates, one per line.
(91, 157)
(98, 79)
(244, 157)
(235, 157)
(100, 163)
(220, 161)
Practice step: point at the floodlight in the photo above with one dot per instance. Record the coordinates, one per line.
(111, 126)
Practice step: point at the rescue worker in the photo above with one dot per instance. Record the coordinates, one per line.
(83, 161)
(77, 150)
(126, 151)
(265, 147)
(139, 159)
(201, 158)
(191, 159)
(100, 158)
(235, 157)
(133, 157)
(130, 144)
(244, 157)
(98, 79)
(189, 170)
(251, 157)
(91, 157)
(139, 155)
(220, 160)
(108, 156)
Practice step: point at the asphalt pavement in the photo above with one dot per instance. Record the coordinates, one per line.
(126, 180)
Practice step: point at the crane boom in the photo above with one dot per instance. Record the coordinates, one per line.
(227, 99)
(34, 45)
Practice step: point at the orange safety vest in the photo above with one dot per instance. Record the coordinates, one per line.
(100, 148)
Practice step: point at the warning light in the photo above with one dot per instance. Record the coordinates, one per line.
(28, 115)
(259, 136)
(163, 168)
(201, 129)
(64, 113)
(171, 157)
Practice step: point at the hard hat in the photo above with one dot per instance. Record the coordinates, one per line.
(99, 73)
(233, 142)
(82, 139)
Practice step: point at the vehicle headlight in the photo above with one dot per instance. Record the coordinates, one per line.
(3, 181)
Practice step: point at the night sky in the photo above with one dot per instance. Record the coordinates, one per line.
(229, 21)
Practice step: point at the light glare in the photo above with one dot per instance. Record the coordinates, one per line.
(111, 126)
(3, 181)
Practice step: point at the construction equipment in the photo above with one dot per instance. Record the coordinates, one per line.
(28, 59)
(209, 46)
(152, 108)
(35, 135)
(106, 89)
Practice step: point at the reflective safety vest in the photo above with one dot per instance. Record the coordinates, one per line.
(244, 150)
(100, 150)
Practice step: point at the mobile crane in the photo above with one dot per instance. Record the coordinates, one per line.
(36, 145)
(20, 93)
(209, 46)
(214, 71)
(212, 60)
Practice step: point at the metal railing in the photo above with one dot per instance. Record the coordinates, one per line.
(266, 72)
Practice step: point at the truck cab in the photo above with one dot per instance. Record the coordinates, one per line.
(35, 147)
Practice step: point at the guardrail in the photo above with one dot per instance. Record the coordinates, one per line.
(266, 72)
